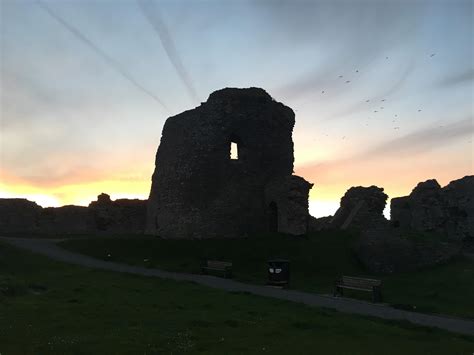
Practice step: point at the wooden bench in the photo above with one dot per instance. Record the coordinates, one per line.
(221, 267)
(360, 284)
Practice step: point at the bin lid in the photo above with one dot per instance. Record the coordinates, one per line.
(278, 261)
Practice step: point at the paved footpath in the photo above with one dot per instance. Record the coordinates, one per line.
(50, 249)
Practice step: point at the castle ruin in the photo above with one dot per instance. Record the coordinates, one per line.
(200, 191)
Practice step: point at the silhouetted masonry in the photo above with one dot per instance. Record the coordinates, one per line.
(118, 216)
(199, 191)
(431, 208)
(19, 215)
(102, 216)
(361, 208)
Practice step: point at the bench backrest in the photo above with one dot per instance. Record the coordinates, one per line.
(218, 264)
(360, 282)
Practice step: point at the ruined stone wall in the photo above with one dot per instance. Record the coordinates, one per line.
(102, 216)
(430, 208)
(197, 190)
(18, 215)
(119, 216)
(388, 250)
(361, 207)
(66, 219)
(458, 197)
(288, 196)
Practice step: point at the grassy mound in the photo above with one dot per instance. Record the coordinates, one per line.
(316, 261)
(82, 311)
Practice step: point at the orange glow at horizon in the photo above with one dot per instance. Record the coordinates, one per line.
(76, 194)
(331, 180)
(332, 177)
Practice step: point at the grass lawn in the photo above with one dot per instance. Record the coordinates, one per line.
(48, 307)
(316, 261)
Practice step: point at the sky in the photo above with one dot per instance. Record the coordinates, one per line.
(382, 91)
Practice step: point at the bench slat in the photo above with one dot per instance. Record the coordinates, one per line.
(361, 284)
(217, 266)
(355, 287)
(349, 280)
(215, 263)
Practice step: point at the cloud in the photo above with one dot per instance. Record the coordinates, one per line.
(397, 165)
(65, 176)
(382, 94)
(460, 78)
(424, 140)
(153, 16)
(81, 173)
(341, 29)
(421, 141)
(109, 60)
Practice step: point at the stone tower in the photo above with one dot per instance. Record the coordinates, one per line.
(199, 191)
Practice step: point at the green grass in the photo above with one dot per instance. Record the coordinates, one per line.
(48, 307)
(316, 261)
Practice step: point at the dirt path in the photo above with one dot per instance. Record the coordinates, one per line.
(50, 249)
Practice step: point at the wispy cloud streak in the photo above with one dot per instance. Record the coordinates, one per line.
(418, 142)
(109, 60)
(153, 16)
(462, 78)
(384, 93)
(424, 140)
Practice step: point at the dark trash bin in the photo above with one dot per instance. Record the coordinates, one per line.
(279, 272)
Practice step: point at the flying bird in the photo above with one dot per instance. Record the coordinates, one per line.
(376, 111)
(432, 55)
(382, 100)
(367, 100)
(322, 92)
(419, 110)
(348, 81)
(340, 76)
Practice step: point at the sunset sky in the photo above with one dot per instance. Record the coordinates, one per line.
(383, 91)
